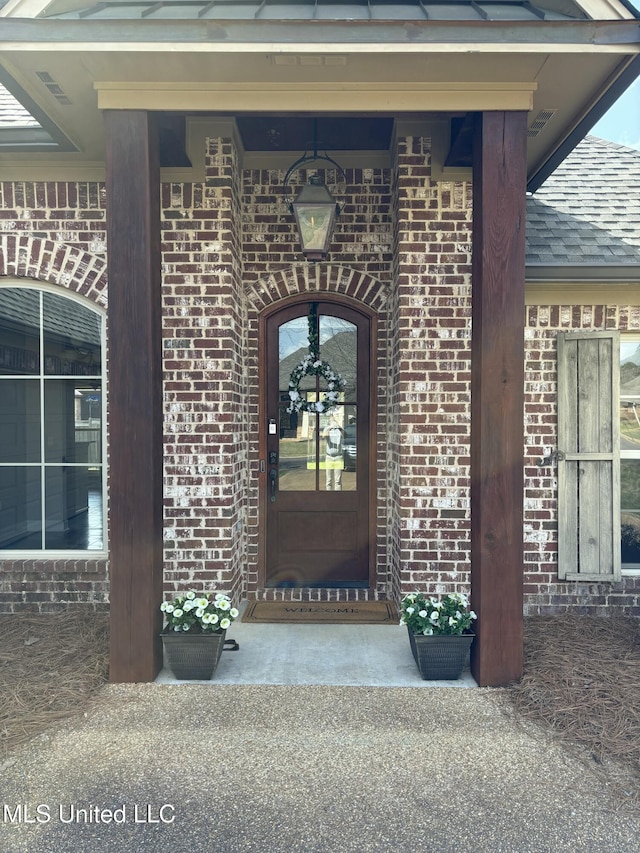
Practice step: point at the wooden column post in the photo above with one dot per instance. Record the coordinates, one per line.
(135, 395)
(497, 394)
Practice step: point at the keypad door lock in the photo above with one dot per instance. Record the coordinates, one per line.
(273, 457)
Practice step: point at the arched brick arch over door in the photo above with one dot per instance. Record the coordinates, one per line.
(24, 256)
(320, 278)
(321, 282)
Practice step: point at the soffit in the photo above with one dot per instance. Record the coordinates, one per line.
(346, 10)
(318, 9)
(558, 71)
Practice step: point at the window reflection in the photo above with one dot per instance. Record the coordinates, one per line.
(51, 430)
(20, 439)
(297, 457)
(21, 512)
(73, 415)
(73, 496)
(19, 332)
(630, 510)
(321, 453)
(71, 336)
(338, 347)
(630, 451)
(318, 449)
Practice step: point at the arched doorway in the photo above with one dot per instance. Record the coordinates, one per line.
(316, 446)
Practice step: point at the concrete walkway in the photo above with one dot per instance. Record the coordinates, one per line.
(324, 760)
(340, 655)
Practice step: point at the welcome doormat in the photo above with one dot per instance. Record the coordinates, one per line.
(331, 612)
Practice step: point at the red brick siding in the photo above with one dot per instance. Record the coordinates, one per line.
(543, 592)
(429, 429)
(402, 246)
(204, 380)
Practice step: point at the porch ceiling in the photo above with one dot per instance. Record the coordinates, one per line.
(566, 73)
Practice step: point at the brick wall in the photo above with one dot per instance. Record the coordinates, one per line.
(402, 246)
(204, 379)
(543, 592)
(429, 377)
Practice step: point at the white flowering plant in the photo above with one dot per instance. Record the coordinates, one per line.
(313, 366)
(427, 615)
(199, 612)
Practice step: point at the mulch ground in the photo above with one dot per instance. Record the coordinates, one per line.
(582, 683)
(50, 668)
(581, 679)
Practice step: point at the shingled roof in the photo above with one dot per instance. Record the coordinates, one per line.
(12, 113)
(587, 213)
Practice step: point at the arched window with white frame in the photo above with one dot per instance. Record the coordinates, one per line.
(52, 473)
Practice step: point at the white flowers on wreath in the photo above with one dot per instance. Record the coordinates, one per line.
(199, 612)
(312, 366)
(429, 616)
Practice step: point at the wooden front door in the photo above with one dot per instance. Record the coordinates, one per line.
(317, 404)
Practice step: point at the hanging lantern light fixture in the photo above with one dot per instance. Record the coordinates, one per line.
(314, 208)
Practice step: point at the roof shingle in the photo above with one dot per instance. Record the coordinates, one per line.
(12, 113)
(588, 211)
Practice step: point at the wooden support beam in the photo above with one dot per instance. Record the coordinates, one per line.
(497, 394)
(135, 395)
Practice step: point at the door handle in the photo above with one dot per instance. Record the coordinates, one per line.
(273, 477)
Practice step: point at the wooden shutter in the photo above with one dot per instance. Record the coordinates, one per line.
(589, 456)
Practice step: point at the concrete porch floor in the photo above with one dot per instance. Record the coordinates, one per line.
(332, 655)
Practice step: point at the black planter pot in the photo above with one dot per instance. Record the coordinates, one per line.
(193, 657)
(440, 656)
